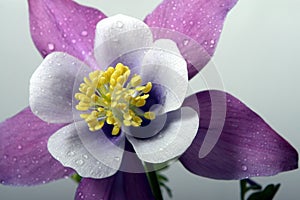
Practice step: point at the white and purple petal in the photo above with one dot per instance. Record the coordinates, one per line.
(119, 35)
(60, 25)
(25, 159)
(90, 154)
(166, 68)
(247, 146)
(129, 183)
(51, 87)
(198, 21)
(174, 138)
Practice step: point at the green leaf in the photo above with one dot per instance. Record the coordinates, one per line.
(247, 185)
(267, 194)
(168, 190)
(163, 180)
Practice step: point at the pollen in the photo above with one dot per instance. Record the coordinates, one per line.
(111, 97)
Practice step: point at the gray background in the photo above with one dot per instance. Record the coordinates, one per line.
(257, 58)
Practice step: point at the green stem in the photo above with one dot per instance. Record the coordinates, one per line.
(76, 178)
(153, 181)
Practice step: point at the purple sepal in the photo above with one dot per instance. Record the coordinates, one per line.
(200, 23)
(24, 157)
(247, 146)
(64, 25)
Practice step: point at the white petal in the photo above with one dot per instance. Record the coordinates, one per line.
(163, 65)
(90, 154)
(179, 131)
(51, 87)
(118, 35)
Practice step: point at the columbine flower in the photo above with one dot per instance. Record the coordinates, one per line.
(123, 103)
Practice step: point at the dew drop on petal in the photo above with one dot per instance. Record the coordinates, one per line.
(84, 33)
(79, 162)
(20, 147)
(44, 52)
(71, 153)
(19, 176)
(85, 156)
(244, 168)
(51, 46)
(73, 41)
(117, 158)
(120, 24)
(186, 42)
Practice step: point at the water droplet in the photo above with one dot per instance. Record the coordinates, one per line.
(19, 175)
(212, 41)
(265, 158)
(120, 24)
(85, 156)
(186, 42)
(44, 52)
(161, 149)
(20, 147)
(93, 195)
(84, 33)
(79, 162)
(235, 125)
(5, 157)
(115, 40)
(71, 153)
(117, 158)
(73, 41)
(51, 46)
(244, 168)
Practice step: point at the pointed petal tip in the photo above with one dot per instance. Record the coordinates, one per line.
(196, 27)
(64, 25)
(25, 159)
(247, 146)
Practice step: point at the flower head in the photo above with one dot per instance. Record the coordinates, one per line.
(131, 103)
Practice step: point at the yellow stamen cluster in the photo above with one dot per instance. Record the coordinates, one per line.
(107, 98)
